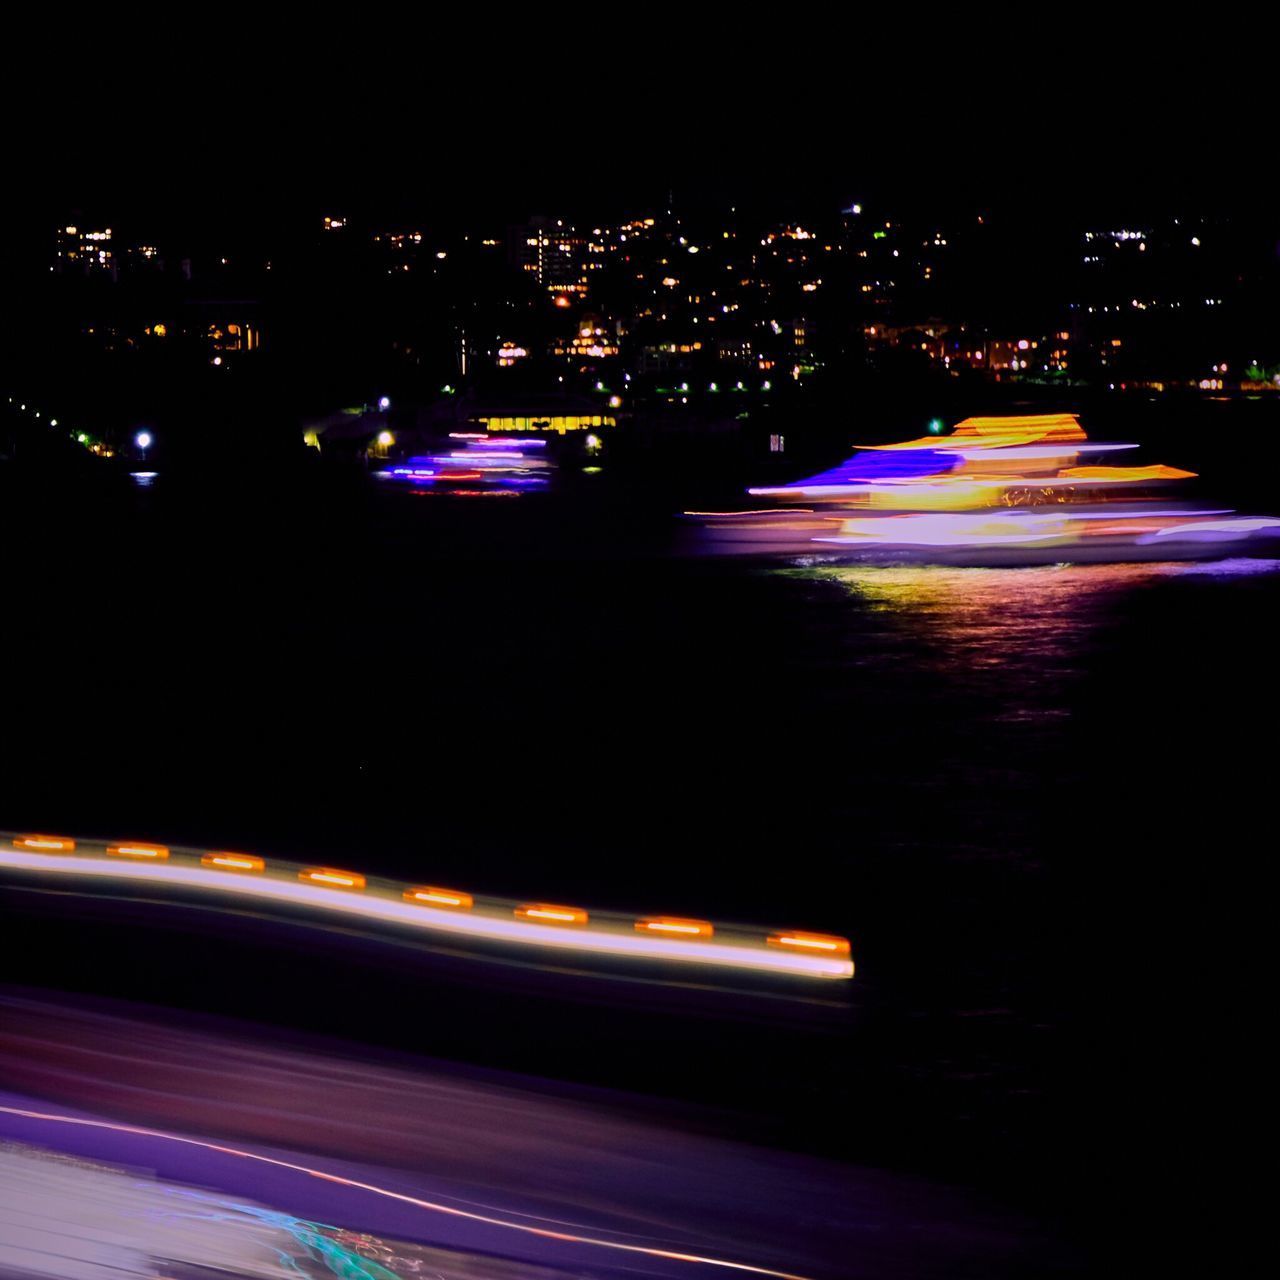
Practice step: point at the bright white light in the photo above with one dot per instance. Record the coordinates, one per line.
(143, 439)
(384, 403)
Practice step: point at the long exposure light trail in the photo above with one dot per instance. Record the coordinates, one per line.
(1003, 489)
(431, 1206)
(540, 925)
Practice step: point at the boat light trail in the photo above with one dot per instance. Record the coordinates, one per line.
(233, 861)
(155, 852)
(1009, 484)
(46, 844)
(440, 897)
(538, 924)
(810, 942)
(670, 924)
(328, 875)
(549, 914)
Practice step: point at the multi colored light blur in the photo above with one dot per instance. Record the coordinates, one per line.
(469, 462)
(1021, 487)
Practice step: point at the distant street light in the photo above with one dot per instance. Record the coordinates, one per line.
(384, 403)
(143, 440)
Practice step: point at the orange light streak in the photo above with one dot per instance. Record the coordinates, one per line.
(153, 852)
(810, 942)
(540, 924)
(549, 913)
(331, 876)
(434, 897)
(676, 925)
(45, 844)
(233, 861)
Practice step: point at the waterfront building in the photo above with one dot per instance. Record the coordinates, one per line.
(536, 411)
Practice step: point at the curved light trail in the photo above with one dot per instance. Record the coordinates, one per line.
(546, 1233)
(349, 894)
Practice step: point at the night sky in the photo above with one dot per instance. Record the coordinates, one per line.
(206, 126)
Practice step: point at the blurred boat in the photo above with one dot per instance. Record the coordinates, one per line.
(477, 463)
(997, 490)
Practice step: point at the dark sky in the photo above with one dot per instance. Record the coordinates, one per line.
(210, 122)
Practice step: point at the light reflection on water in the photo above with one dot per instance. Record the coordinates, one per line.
(1016, 636)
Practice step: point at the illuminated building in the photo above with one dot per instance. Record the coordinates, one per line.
(534, 411)
(142, 257)
(553, 253)
(663, 357)
(589, 343)
(1012, 353)
(399, 240)
(526, 420)
(232, 337)
(86, 250)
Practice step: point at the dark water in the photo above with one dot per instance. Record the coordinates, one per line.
(1039, 801)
